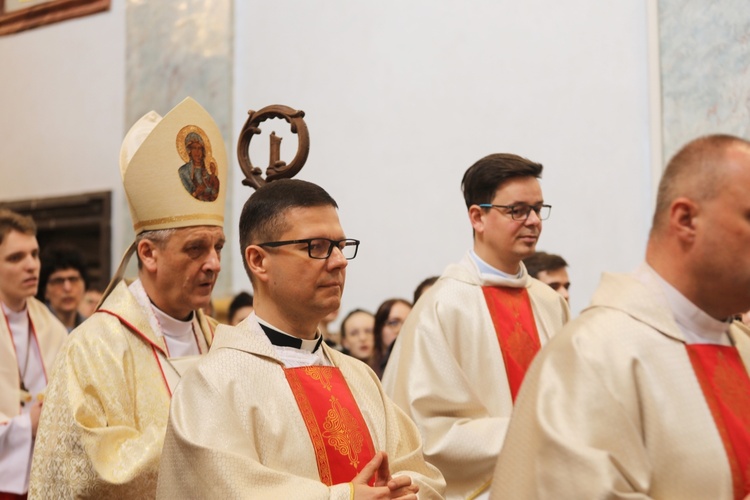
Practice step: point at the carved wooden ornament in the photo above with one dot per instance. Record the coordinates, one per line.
(277, 169)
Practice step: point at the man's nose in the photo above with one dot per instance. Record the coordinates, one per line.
(213, 262)
(337, 259)
(533, 219)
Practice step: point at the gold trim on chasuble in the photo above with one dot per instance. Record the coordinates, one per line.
(726, 387)
(339, 435)
(513, 319)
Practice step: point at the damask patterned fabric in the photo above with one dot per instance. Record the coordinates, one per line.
(447, 372)
(612, 408)
(106, 409)
(236, 431)
(16, 442)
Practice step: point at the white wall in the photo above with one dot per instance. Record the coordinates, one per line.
(402, 97)
(61, 96)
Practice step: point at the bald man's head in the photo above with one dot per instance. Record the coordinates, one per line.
(698, 172)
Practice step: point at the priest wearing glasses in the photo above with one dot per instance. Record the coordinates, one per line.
(464, 349)
(272, 411)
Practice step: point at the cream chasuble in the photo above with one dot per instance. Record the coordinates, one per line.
(106, 410)
(235, 430)
(612, 408)
(447, 372)
(47, 335)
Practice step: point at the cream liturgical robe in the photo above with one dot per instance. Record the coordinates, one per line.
(235, 430)
(612, 409)
(16, 442)
(106, 410)
(447, 372)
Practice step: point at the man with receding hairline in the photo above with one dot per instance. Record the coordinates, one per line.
(647, 393)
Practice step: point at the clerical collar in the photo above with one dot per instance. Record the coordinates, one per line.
(173, 327)
(695, 324)
(485, 268)
(281, 339)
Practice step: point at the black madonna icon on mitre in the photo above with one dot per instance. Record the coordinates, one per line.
(199, 173)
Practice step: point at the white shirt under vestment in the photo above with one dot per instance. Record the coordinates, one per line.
(106, 408)
(447, 372)
(235, 430)
(612, 407)
(21, 355)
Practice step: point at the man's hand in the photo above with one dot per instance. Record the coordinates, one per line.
(386, 487)
(34, 413)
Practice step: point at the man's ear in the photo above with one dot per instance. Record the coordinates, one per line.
(476, 217)
(257, 261)
(684, 218)
(148, 252)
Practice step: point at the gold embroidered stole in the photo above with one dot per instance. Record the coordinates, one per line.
(510, 310)
(726, 387)
(340, 437)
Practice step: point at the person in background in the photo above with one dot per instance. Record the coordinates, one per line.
(423, 287)
(647, 393)
(463, 352)
(62, 283)
(315, 423)
(91, 298)
(30, 338)
(357, 337)
(106, 408)
(240, 308)
(389, 318)
(551, 270)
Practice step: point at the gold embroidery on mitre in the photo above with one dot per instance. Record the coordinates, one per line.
(342, 432)
(320, 373)
(178, 218)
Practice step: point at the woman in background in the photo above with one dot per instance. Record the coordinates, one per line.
(357, 337)
(388, 321)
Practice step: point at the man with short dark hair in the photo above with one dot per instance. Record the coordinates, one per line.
(551, 270)
(62, 283)
(647, 394)
(462, 354)
(30, 338)
(315, 423)
(106, 411)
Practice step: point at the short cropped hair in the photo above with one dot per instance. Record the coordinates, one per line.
(263, 216)
(159, 236)
(13, 221)
(543, 261)
(695, 172)
(60, 258)
(481, 180)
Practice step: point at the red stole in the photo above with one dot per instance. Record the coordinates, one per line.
(510, 309)
(726, 387)
(340, 437)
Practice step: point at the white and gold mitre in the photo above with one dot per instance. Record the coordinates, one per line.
(174, 169)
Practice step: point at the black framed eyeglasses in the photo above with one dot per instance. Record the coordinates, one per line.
(521, 212)
(321, 248)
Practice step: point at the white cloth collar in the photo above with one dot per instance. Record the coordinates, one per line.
(696, 325)
(495, 277)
